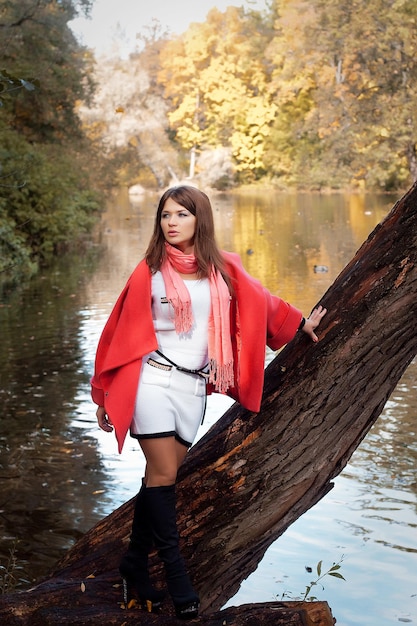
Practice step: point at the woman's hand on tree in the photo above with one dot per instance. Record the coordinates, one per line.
(313, 321)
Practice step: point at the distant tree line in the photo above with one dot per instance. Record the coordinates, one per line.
(314, 94)
(309, 94)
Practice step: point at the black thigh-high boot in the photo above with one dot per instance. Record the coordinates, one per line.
(161, 507)
(134, 564)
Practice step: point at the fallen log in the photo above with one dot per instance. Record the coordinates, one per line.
(252, 475)
(88, 611)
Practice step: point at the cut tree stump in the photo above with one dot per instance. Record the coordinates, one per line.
(252, 475)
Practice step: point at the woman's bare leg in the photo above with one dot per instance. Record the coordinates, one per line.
(163, 456)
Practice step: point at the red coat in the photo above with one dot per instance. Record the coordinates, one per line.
(257, 318)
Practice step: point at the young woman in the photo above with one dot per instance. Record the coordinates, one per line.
(189, 321)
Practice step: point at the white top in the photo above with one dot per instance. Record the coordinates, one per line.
(187, 349)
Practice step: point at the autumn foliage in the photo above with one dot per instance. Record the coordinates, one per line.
(310, 95)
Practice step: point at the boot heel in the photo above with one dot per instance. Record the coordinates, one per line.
(187, 611)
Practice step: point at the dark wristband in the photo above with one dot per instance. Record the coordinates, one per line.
(303, 321)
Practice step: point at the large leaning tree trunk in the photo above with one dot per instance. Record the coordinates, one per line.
(252, 475)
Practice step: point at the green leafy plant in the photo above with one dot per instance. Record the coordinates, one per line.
(332, 571)
(12, 573)
(8, 579)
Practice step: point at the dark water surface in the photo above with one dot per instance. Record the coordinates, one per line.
(59, 474)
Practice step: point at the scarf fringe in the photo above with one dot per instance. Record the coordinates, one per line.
(183, 316)
(221, 376)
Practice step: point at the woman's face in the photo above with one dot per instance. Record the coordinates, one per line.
(178, 226)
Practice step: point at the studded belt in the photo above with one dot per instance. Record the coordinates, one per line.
(167, 368)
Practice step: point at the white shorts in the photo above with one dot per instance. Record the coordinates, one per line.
(168, 403)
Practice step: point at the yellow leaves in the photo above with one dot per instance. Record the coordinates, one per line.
(248, 150)
(184, 117)
(131, 604)
(186, 110)
(197, 43)
(248, 138)
(215, 76)
(260, 114)
(328, 129)
(133, 141)
(83, 585)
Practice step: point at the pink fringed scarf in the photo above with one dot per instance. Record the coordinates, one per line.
(219, 341)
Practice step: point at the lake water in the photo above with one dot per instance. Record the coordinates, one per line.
(59, 474)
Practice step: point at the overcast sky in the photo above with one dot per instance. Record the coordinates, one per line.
(111, 18)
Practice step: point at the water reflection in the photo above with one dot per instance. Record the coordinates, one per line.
(287, 235)
(59, 474)
(49, 470)
(391, 443)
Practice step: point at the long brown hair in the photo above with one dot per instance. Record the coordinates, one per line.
(206, 250)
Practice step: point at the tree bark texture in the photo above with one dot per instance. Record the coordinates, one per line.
(252, 475)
